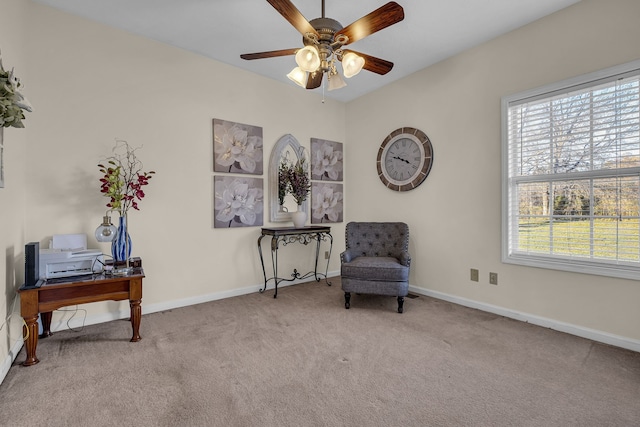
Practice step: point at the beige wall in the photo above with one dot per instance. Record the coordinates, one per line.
(455, 215)
(12, 198)
(90, 84)
(93, 84)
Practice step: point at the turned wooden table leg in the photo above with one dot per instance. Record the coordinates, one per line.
(136, 314)
(46, 324)
(135, 297)
(29, 312)
(30, 331)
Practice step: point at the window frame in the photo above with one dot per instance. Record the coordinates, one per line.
(551, 261)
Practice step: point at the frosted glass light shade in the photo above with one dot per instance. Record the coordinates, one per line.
(335, 82)
(308, 59)
(352, 64)
(105, 231)
(299, 77)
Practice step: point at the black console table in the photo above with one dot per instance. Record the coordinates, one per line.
(287, 235)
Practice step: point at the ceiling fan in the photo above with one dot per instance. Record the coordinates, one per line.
(323, 40)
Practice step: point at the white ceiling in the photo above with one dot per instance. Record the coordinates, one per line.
(431, 31)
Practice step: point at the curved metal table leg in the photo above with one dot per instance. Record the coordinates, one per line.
(264, 272)
(274, 262)
(326, 270)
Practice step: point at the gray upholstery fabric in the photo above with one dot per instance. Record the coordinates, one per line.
(388, 239)
(386, 269)
(373, 287)
(376, 259)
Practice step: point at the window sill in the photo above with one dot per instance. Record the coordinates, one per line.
(623, 271)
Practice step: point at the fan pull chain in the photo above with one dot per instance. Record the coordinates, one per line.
(323, 81)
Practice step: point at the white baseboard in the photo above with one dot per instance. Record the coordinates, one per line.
(169, 305)
(59, 325)
(592, 334)
(13, 353)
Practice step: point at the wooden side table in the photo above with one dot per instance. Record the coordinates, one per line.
(57, 293)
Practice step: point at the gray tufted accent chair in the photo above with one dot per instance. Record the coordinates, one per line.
(376, 260)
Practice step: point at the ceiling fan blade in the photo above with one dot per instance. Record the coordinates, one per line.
(269, 54)
(293, 15)
(315, 79)
(373, 64)
(383, 17)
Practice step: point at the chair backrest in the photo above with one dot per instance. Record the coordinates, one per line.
(377, 238)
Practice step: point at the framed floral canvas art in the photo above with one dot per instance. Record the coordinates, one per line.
(237, 148)
(327, 201)
(326, 160)
(238, 202)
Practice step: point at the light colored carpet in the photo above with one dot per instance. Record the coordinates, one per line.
(303, 360)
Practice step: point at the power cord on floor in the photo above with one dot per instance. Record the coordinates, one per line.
(75, 311)
(13, 306)
(26, 332)
(25, 336)
(10, 315)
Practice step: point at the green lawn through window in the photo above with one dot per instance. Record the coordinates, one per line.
(612, 239)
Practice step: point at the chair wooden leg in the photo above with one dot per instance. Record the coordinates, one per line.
(347, 300)
(400, 304)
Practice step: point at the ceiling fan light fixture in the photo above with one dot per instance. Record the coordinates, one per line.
(308, 58)
(352, 64)
(299, 77)
(335, 81)
(323, 39)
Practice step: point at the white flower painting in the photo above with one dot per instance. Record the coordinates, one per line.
(237, 148)
(238, 202)
(326, 160)
(326, 202)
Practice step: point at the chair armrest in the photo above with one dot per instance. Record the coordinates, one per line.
(346, 256)
(405, 258)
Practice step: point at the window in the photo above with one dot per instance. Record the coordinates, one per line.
(571, 174)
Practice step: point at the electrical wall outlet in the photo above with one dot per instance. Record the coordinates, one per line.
(326, 254)
(475, 275)
(493, 278)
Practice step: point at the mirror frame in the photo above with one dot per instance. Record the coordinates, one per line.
(287, 141)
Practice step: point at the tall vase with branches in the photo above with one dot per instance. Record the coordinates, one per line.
(123, 183)
(297, 182)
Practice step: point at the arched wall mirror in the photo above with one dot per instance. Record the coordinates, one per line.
(287, 146)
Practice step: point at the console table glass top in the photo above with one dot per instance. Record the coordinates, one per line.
(287, 235)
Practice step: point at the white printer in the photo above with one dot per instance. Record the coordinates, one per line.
(68, 256)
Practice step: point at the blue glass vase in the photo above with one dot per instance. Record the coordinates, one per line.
(121, 244)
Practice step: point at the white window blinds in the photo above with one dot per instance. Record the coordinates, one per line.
(571, 160)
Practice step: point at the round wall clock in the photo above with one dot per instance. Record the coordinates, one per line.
(404, 159)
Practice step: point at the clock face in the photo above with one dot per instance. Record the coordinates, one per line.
(404, 159)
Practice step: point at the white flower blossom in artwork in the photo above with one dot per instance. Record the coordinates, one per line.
(326, 203)
(326, 160)
(235, 146)
(237, 200)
